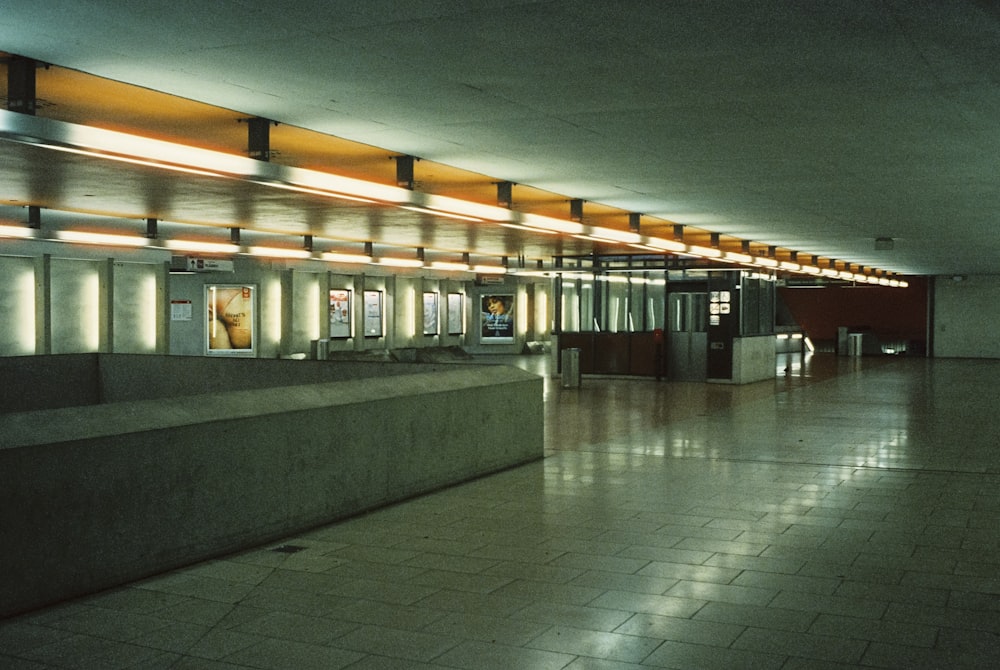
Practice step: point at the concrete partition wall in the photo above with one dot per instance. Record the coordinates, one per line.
(92, 497)
(754, 359)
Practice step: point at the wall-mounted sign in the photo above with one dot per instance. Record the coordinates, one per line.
(373, 313)
(230, 323)
(497, 319)
(456, 313)
(430, 313)
(340, 312)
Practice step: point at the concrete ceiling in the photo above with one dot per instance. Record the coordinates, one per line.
(812, 126)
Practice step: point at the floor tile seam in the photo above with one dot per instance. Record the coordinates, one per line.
(810, 464)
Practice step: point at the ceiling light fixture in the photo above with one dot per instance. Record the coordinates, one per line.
(397, 262)
(203, 247)
(346, 258)
(280, 252)
(17, 231)
(83, 237)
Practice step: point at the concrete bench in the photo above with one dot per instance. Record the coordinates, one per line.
(93, 496)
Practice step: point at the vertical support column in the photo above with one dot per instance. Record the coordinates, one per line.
(358, 309)
(106, 306)
(43, 304)
(21, 95)
(163, 308)
(287, 312)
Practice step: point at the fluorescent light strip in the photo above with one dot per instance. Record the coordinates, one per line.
(280, 252)
(489, 269)
(445, 265)
(765, 262)
(611, 235)
(17, 231)
(400, 262)
(346, 258)
(205, 247)
(83, 237)
(434, 212)
(313, 191)
(704, 252)
(666, 245)
(479, 211)
(554, 225)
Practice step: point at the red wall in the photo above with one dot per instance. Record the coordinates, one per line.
(891, 313)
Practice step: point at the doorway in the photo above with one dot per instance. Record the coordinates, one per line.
(687, 338)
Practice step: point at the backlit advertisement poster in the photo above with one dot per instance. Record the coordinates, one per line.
(497, 319)
(230, 328)
(430, 313)
(340, 312)
(455, 314)
(373, 313)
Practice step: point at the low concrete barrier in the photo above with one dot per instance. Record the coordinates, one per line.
(95, 496)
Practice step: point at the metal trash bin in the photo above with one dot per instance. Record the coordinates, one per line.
(570, 363)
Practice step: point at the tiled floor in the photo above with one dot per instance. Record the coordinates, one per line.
(844, 515)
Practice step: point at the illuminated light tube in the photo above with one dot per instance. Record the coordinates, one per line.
(204, 247)
(346, 258)
(489, 269)
(339, 186)
(611, 235)
(861, 278)
(279, 252)
(83, 237)
(883, 281)
(765, 262)
(400, 262)
(446, 265)
(666, 245)
(145, 162)
(894, 283)
(844, 274)
(553, 225)
(441, 203)
(447, 215)
(704, 252)
(904, 284)
(810, 269)
(830, 272)
(313, 191)
(736, 257)
(788, 265)
(17, 231)
(872, 280)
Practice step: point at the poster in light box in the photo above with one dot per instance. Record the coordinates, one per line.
(373, 313)
(230, 323)
(430, 313)
(456, 314)
(340, 312)
(497, 319)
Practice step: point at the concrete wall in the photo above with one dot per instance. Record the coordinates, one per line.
(92, 497)
(754, 359)
(966, 317)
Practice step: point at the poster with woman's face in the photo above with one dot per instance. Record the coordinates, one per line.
(497, 319)
(230, 328)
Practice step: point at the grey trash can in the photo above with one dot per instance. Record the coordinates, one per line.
(570, 368)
